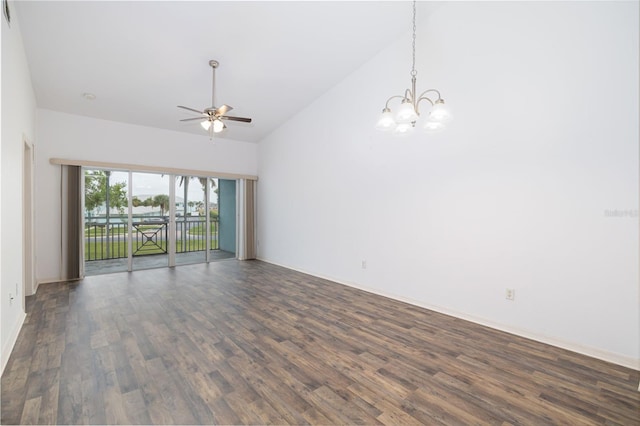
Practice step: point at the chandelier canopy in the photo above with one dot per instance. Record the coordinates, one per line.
(403, 121)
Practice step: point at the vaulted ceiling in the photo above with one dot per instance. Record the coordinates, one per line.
(142, 59)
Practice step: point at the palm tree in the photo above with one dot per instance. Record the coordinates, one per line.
(184, 183)
(162, 201)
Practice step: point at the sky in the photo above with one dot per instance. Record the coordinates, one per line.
(153, 184)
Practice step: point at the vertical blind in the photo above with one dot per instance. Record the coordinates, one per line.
(249, 219)
(71, 196)
(246, 194)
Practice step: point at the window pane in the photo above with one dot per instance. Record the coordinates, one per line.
(105, 221)
(150, 227)
(191, 220)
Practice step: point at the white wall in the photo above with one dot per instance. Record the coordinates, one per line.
(514, 194)
(74, 137)
(18, 123)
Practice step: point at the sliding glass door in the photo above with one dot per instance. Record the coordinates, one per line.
(194, 226)
(150, 220)
(136, 220)
(106, 199)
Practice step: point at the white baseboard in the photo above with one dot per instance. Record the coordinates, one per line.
(13, 337)
(36, 284)
(48, 281)
(603, 355)
(57, 281)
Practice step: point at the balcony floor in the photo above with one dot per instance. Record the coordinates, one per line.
(99, 267)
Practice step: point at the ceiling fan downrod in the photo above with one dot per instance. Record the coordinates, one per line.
(214, 64)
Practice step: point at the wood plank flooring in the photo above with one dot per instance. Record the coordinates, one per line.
(251, 343)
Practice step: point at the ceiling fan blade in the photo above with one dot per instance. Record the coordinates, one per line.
(195, 118)
(223, 110)
(242, 119)
(190, 109)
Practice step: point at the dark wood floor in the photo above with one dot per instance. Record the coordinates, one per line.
(251, 343)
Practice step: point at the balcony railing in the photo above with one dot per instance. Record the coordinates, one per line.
(149, 237)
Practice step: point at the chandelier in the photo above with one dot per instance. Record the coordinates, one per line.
(404, 120)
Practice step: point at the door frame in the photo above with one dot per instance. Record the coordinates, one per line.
(29, 286)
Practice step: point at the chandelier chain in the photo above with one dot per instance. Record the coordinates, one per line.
(413, 45)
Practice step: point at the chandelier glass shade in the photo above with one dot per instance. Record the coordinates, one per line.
(403, 120)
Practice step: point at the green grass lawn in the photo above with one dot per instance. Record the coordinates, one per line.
(101, 231)
(97, 250)
(200, 229)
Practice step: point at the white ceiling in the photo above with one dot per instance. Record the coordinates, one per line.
(142, 59)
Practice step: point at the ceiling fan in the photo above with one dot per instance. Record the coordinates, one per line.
(211, 118)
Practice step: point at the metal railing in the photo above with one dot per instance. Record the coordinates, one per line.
(191, 234)
(149, 237)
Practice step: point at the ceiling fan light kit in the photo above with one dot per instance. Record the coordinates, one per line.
(404, 120)
(212, 117)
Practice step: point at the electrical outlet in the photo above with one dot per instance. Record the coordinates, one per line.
(510, 294)
(10, 299)
(364, 264)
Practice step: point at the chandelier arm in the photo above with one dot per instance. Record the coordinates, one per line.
(386, 105)
(408, 95)
(428, 91)
(422, 98)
